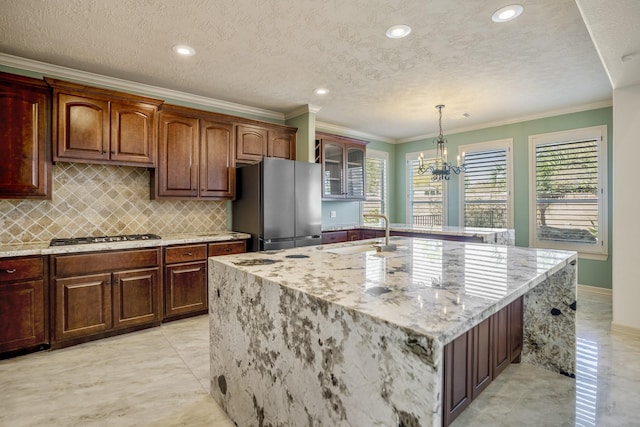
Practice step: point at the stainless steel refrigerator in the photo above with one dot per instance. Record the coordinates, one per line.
(278, 202)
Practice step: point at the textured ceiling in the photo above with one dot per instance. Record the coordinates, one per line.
(272, 54)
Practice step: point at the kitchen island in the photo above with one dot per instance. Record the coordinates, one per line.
(343, 335)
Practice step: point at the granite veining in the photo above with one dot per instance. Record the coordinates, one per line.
(305, 341)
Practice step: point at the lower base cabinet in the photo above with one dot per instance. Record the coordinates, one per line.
(185, 276)
(98, 294)
(23, 304)
(478, 356)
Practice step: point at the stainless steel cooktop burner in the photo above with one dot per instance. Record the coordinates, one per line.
(102, 239)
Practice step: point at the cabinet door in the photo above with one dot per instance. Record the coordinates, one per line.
(457, 395)
(177, 172)
(81, 128)
(217, 165)
(251, 143)
(355, 172)
(136, 297)
(25, 170)
(22, 315)
(332, 170)
(133, 133)
(501, 349)
(515, 329)
(83, 306)
(353, 235)
(282, 145)
(482, 360)
(185, 288)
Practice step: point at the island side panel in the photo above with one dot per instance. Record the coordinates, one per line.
(550, 322)
(280, 357)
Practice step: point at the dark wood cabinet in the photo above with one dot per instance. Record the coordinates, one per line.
(23, 303)
(257, 141)
(185, 290)
(367, 233)
(25, 138)
(353, 235)
(92, 125)
(458, 372)
(343, 166)
(334, 237)
(196, 156)
(97, 294)
(473, 360)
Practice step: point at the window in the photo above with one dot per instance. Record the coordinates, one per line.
(425, 198)
(377, 184)
(568, 204)
(486, 186)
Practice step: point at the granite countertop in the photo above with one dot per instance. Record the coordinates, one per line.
(436, 288)
(448, 230)
(43, 248)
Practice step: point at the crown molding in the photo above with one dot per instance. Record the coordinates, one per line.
(309, 108)
(553, 113)
(130, 86)
(330, 128)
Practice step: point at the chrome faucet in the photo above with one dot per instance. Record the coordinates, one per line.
(386, 246)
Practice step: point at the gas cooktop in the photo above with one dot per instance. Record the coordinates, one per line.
(102, 239)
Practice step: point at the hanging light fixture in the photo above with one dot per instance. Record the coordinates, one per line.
(441, 169)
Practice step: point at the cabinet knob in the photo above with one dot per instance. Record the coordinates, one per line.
(188, 254)
(104, 151)
(11, 270)
(227, 249)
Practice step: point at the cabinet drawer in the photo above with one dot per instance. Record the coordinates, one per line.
(107, 261)
(334, 237)
(227, 248)
(12, 269)
(185, 253)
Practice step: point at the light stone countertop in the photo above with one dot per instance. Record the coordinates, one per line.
(43, 248)
(437, 288)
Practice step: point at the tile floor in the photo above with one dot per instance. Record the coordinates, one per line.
(159, 377)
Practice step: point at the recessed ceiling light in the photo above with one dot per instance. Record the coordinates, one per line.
(507, 13)
(398, 31)
(321, 91)
(184, 50)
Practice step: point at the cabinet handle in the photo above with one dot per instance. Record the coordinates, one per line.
(104, 151)
(227, 249)
(187, 253)
(11, 271)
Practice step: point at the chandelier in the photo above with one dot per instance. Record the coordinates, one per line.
(441, 169)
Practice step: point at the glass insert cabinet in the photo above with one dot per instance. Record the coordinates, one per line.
(343, 166)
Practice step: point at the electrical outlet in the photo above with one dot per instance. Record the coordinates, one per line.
(333, 214)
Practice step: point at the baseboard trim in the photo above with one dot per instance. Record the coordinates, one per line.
(595, 290)
(626, 331)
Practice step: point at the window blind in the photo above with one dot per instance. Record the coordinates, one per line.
(425, 196)
(376, 181)
(486, 189)
(567, 191)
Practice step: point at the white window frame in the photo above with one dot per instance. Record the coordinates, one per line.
(377, 154)
(486, 146)
(598, 251)
(428, 154)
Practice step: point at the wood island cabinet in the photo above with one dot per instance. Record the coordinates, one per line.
(25, 138)
(185, 284)
(92, 125)
(257, 141)
(474, 359)
(23, 303)
(97, 294)
(343, 166)
(196, 156)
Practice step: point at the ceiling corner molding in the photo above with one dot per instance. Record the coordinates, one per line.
(309, 108)
(130, 86)
(329, 128)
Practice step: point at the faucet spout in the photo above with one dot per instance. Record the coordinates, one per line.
(386, 226)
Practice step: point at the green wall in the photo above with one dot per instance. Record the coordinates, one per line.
(590, 272)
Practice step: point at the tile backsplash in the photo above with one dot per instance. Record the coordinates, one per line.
(95, 200)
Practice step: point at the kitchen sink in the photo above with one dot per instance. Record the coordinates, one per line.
(346, 250)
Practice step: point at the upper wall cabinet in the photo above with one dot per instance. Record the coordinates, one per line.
(343, 166)
(196, 156)
(254, 142)
(25, 138)
(92, 125)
